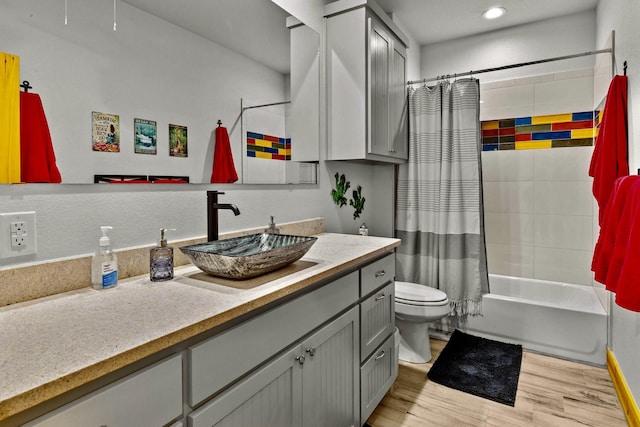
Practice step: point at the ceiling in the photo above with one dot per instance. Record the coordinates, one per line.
(256, 28)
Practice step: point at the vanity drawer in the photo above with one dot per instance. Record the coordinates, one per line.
(377, 319)
(376, 377)
(222, 359)
(151, 397)
(377, 274)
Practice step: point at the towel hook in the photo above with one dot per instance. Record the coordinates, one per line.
(26, 86)
(624, 67)
(219, 122)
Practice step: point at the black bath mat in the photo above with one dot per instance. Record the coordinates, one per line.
(479, 366)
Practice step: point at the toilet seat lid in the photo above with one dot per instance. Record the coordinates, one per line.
(415, 293)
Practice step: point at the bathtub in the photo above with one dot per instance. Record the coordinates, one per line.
(554, 318)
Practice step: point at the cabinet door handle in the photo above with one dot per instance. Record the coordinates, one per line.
(380, 273)
(300, 359)
(381, 355)
(311, 351)
(380, 297)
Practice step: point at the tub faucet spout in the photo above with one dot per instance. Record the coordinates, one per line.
(212, 213)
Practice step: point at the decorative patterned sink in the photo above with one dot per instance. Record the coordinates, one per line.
(248, 256)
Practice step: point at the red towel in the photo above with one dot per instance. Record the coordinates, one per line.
(37, 159)
(613, 213)
(224, 171)
(616, 259)
(609, 160)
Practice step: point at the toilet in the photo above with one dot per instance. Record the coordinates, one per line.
(416, 307)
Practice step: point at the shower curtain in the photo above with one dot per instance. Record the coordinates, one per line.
(439, 213)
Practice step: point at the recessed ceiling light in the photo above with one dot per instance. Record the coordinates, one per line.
(494, 12)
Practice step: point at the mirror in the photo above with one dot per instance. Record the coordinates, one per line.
(152, 73)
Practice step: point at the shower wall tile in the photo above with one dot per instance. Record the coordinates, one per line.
(564, 95)
(563, 232)
(492, 111)
(563, 164)
(508, 165)
(563, 198)
(563, 265)
(540, 216)
(509, 197)
(513, 96)
(510, 260)
(509, 229)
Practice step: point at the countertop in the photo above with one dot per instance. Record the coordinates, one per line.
(55, 344)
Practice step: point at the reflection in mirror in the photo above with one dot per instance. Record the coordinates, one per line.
(153, 68)
(268, 146)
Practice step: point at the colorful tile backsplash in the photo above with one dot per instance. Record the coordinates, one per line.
(551, 131)
(268, 147)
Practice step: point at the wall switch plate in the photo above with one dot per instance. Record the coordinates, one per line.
(17, 234)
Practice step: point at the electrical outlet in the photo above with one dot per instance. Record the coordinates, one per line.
(17, 234)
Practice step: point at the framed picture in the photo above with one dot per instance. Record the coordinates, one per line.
(105, 130)
(145, 136)
(178, 141)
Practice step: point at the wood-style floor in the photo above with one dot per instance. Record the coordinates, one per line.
(551, 393)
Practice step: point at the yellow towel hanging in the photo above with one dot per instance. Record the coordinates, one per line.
(9, 118)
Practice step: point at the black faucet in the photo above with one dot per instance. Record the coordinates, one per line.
(212, 213)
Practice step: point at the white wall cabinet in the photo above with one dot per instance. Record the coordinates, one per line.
(366, 84)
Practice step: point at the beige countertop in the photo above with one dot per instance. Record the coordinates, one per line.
(55, 344)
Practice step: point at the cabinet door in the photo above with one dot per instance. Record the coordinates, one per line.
(330, 395)
(152, 397)
(398, 104)
(377, 376)
(269, 397)
(377, 319)
(379, 60)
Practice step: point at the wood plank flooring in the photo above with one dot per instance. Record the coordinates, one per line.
(551, 392)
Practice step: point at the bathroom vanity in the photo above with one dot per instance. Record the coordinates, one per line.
(308, 345)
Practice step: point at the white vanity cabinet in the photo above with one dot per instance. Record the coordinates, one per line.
(366, 83)
(378, 370)
(314, 383)
(323, 358)
(150, 397)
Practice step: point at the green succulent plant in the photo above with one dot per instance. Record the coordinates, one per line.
(357, 202)
(342, 185)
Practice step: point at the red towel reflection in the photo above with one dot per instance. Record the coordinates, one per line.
(224, 171)
(37, 159)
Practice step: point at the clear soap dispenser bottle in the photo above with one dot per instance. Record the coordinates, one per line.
(161, 259)
(104, 264)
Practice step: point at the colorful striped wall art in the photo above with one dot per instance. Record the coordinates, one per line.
(268, 147)
(550, 131)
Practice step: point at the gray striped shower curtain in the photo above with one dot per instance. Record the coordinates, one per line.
(439, 213)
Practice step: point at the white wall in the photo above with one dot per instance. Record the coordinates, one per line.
(75, 73)
(545, 39)
(623, 16)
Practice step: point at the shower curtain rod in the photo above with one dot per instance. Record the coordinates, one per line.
(506, 67)
(266, 105)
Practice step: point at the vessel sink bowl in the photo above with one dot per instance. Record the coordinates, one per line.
(248, 256)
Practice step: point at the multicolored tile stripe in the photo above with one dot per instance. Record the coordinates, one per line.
(268, 147)
(526, 133)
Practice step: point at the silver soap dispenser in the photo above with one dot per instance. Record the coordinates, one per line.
(161, 259)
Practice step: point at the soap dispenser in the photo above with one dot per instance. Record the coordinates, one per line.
(104, 264)
(161, 259)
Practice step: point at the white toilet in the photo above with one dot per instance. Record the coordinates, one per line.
(416, 307)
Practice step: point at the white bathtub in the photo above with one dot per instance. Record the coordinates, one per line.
(554, 318)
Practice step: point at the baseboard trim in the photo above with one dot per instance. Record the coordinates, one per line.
(627, 401)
